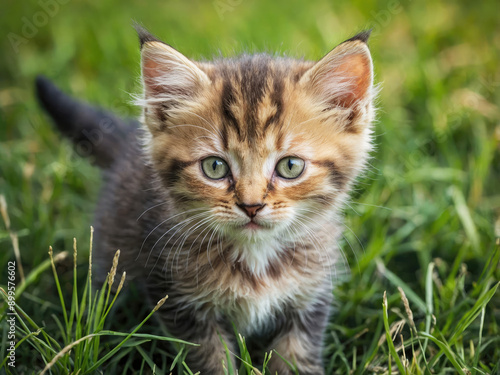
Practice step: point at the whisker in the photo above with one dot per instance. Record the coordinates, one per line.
(352, 208)
(318, 244)
(208, 254)
(197, 127)
(182, 224)
(289, 229)
(343, 235)
(212, 236)
(204, 221)
(213, 229)
(311, 119)
(318, 247)
(150, 208)
(163, 222)
(182, 238)
(372, 205)
(207, 122)
(219, 246)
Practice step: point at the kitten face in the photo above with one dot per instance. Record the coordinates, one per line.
(262, 148)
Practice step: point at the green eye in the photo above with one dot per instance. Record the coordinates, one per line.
(214, 168)
(290, 167)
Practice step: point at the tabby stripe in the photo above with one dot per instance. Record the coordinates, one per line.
(254, 72)
(277, 98)
(228, 99)
(173, 172)
(337, 177)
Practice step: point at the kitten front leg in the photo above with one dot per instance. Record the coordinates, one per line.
(198, 328)
(297, 348)
(210, 356)
(301, 341)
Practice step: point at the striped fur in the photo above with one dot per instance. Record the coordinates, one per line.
(184, 235)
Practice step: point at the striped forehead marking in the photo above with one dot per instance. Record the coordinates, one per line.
(249, 84)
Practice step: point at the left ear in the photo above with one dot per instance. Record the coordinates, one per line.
(169, 79)
(167, 74)
(344, 77)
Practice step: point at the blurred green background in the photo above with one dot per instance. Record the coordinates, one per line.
(433, 188)
(437, 63)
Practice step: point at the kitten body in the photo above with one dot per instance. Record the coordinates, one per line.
(253, 247)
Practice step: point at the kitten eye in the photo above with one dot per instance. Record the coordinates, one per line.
(214, 168)
(290, 167)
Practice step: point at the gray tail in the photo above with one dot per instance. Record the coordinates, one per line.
(95, 133)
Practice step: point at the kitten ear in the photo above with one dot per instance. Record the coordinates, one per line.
(168, 76)
(344, 77)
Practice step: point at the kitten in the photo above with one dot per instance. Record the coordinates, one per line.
(230, 203)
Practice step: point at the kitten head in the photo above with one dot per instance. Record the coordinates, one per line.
(267, 147)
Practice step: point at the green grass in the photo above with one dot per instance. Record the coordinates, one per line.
(422, 219)
(76, 346)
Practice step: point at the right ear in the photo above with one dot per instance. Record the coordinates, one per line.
(344, 79)
(168, 76)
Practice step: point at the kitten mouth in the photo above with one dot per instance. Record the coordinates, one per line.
(253, 225)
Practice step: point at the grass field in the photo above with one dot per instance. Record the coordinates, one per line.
(425, 218)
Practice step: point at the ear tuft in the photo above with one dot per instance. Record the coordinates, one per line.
(144, 35)
(363, 36)
(344, 77)
(169, 75)
(170, 81)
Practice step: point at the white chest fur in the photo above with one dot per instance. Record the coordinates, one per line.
(258, 283)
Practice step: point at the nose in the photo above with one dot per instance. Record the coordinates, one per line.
(251, 209)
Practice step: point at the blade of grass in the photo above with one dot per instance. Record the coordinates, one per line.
(177, 357)
(429, 310)
(288, 363)
(230, 368)
(465, 217)
(473, 313)
(34, 275)
(267, 358)
(478, 347)
(445, 348)
(96, 318)
(412, 296)
(27, 337)
(388, 337)
(373, 349)
(61, 328)
(58, 286)
(116, 348)
(74, 300)
(22, 314)
(188, 370)
(112, 352)
(148, 360)
(13, 236)
(467, 319)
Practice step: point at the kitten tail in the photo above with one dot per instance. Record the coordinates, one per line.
(95, 133)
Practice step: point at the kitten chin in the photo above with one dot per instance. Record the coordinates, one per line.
(230, 202)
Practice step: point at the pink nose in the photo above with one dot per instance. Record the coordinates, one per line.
(251, 209)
